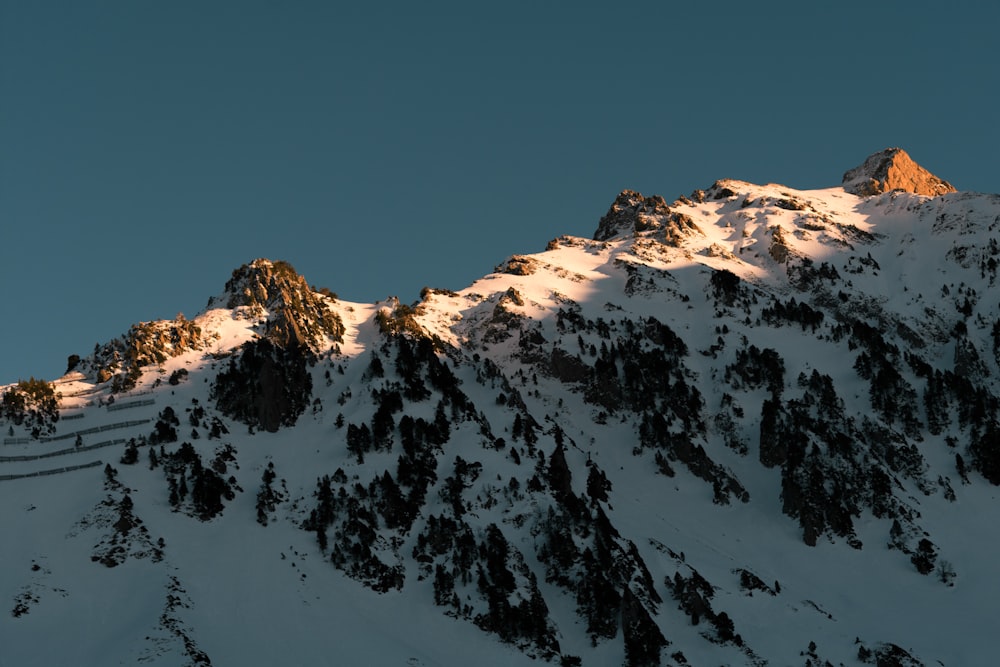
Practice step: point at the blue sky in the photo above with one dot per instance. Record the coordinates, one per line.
(148, 149)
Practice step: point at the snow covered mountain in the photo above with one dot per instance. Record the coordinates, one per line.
(754, 426)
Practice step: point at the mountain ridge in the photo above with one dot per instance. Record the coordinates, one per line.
(631, 449)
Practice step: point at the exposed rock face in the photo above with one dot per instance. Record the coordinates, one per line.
(633, 213)
(266, 387)
(893, 169)
(626, 213)
(295, 314)
(147, 343)
(518, 265)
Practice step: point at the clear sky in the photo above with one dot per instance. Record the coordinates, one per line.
(149, 148)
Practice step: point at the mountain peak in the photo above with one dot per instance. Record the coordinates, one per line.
(893, 169)
(632, 213)
(627, 212)
(294, 312)
(260, 282)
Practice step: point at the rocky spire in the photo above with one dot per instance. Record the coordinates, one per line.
(892, 169)
(294, 313)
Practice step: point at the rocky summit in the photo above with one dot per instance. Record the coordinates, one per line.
(893, 169)
(754, 425)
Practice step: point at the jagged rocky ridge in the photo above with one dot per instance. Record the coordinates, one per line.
(623, 450)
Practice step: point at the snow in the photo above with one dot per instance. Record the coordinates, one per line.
(251, 594)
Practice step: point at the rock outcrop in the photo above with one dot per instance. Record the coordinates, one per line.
(892, 169)
(632, 213)
(295, 314)
(628, 213)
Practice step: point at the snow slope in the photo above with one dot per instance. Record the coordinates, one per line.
(561, 339)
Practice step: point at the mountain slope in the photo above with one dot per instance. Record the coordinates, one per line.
(756, 425)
